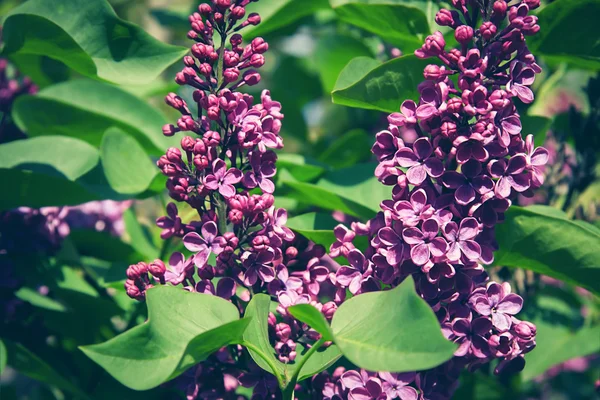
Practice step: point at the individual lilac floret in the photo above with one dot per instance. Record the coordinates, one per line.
(497, 302)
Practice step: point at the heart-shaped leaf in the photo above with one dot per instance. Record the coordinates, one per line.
(126, 165)
(85, 109)
(564, 36)
(544, 240)
(392, 330)
(276, 14)
(183, 329)
(88, 37)
(256, 339)
(401, 22)
(352, 190)
(43, 171)
(384, 87)
(318, 228)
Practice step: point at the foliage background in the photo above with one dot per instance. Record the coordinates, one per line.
(325, 166)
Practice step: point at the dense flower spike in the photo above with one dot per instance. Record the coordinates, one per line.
(224, 171)
(450, 187)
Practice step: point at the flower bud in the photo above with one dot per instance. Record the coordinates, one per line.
(329, 309)
(238, 12)
(231, 75)
(253, 19)
(532, 4)
(291, 253)
(169, 130)
(454, 104)
(525, 330)
(499, 9)
(205, 69)
(236, 217)
(446, 17)
(199, 147)
(201, 161)
(136, 271)
(157, 268)
(257, 60)
(212, 138)
(236, 39)
(463, 34)
(132, 290)
(187, 143)
(272, 320)
(259, 45)
(488, 30)
(205, 9)
(283, 331)
(174, 155)
(251, 77)
(189, 61)
(222, 4)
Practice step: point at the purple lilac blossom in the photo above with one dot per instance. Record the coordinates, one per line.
(239, 243)
(451, 186)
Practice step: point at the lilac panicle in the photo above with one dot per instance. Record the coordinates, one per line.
(224, 170)
(451, 186)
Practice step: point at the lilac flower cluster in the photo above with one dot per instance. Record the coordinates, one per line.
(451, 186)
(28, 232)
(239, 244)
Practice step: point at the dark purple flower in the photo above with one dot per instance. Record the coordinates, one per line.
(412, 212)
(510, 175)
(343, 241)
(179, 268)
(356, 274)
(361, 386)
(521, 76)
(223, 179)
(498, 302)
(460, 239)
(425, 242)
(469, 183)
(205, 244)
(396, 250)
(537, 158)
(263, 168)
(470, 336)
(258, 265)
(278, 218)
(396, 386)
(419, 161)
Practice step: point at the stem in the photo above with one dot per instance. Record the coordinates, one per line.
(288, 391)
(221, 57)
(266, 359)
(222, 214)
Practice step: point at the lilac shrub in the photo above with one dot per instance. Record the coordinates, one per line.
(454, 160)
(450, 187)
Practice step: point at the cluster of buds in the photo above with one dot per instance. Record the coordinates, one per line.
(455, 159)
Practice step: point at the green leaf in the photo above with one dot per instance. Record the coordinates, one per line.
(85, 109)
(54, 155)
(354, 71)
(140, 238)
(393, 330)
(256, 336)
(2, 357)
(332, 54)
(313, 318)
(565, 33)
(383, 88)
(256, 339)
(276, 14)
(537, 126)
(558, 320)
(353, 190)
(318, 228)
(544, 240)
(88, 37)
(32, 366)
(183, 329)
(43, 171)
(128, 168)
(36, 299)
(94, 244)
(401, 22)
(301, 167)
(350, 149)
